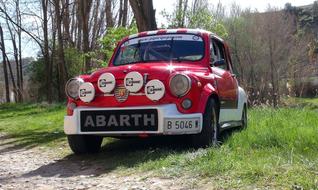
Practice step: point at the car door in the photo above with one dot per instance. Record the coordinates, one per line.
(227, 84)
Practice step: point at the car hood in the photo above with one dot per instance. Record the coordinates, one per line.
(160, 70)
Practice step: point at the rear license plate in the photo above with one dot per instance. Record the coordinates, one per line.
(185, 125)
(119, 120)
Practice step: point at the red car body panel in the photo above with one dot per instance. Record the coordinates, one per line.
(206, 80)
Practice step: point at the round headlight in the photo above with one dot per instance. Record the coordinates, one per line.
(180, 85)
(72, 86)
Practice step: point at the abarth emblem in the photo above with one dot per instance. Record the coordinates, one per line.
(121, 93)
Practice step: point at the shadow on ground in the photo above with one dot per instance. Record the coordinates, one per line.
(117, 154)
(27, 140)
(124, 153)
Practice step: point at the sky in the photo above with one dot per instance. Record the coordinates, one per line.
(30, 48)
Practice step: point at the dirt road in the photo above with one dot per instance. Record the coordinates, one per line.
(42, 168)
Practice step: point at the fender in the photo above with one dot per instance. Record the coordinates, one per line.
(207, 91)
(242, 99)
(234, 114)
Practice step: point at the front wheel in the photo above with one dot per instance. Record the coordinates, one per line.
(81, 144)
(210, 132)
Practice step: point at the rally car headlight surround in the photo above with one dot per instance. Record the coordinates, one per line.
(72, 86)
(180, 84)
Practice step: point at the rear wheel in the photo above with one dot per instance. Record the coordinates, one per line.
(210, 129)
(81, 144)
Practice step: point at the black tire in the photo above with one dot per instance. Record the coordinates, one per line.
(244, 117)
(83, 144)
(210, 133)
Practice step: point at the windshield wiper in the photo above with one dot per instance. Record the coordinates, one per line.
(140, 56)
(171, 46)
(171, 51)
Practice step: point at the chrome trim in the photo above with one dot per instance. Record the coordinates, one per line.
(130, 94)
(80, 80)
(189, 80)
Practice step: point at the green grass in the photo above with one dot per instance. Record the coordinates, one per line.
(278, 150)
(33, 124)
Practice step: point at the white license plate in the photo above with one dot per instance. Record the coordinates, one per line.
(182, 125)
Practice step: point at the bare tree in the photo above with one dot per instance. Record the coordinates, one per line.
(46, 56)
(5, 72)
(60, 50)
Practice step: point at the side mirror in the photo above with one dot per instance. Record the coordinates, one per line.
(218, 63)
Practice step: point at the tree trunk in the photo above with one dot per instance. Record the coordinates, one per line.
(185, 7)
(16, 59)
(19, 56)
(53, 53)
(60, 52)
(144, 14)
(66, 22)
(5, 72)
(46, 57)
(85, 6)
(19, 32)
(15, 91)
(109, 14)
(125, 14)
(95, 25)
(120, 17)
(79, 26)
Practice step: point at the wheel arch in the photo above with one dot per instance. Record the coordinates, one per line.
(209, 92)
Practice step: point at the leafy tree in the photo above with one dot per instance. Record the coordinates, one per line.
(199, 15)
(110, 40)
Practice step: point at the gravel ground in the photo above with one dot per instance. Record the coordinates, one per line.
(42, 168)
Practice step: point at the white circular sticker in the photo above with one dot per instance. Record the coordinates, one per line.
(106, 82)
(133, 81)
(86, 92)
(155, 89)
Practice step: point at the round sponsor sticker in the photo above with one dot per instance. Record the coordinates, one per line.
(155, 89)
(86, 92)
(133, 81)
(106, 82)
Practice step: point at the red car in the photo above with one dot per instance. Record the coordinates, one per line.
(164, 82)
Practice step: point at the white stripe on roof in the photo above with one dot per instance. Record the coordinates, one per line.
(132, 36)
(152, 32)
(173, 31)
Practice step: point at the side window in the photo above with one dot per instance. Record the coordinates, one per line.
(217, 53)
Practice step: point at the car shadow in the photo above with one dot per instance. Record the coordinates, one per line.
(125, 153)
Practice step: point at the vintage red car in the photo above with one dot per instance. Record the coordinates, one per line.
(163, 82)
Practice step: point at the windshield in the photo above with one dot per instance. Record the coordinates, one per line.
(169, 47)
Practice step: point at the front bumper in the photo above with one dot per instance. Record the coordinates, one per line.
(165, 112)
